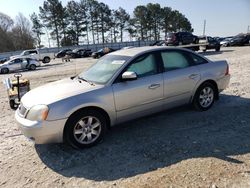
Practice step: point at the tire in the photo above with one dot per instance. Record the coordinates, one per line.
(204, 97)
(13, 105)
(46, 60)
(32, 67)
(85, 128)
(217, 49)
(5, 71)
(204, 50)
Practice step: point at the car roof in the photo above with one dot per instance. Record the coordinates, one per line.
(138, 50)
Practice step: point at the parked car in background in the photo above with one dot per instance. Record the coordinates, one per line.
(102, 52)
(35, 54)
(210, 42)
(226, 41)
(121, 86)
(181, 38)
(158, 43)
(62, 53)
(239, 40)
(79, 53)
(3, 59)
(16, 64)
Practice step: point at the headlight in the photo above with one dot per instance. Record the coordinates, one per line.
(38, 113)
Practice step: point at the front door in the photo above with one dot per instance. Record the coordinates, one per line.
(15, 64)
(141, 96)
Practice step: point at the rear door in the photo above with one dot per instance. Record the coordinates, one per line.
(180, 77)
(141, 96)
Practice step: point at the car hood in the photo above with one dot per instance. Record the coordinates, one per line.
(56, 91)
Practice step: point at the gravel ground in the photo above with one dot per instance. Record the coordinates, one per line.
(175, 148)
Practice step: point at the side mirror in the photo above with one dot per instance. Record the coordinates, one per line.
(129, 76)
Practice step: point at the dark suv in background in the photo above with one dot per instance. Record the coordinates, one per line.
(181, 38)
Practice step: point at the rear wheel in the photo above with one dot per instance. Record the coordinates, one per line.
(4, 70)
(204, 97)
(85, 128)
(32, 67)
(46, 60)
(217, 49)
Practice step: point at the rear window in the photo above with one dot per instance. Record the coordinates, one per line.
(170, 34)
(197, 60)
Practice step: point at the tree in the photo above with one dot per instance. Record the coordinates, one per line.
(5, 22)
(122, 18)
(104, 19)
(5, 26)
(154, 19)
(77, 18)
(167, 16)
(140, 21)
(92, 9)
(21, 33)
(151, 20)
(51, 13)
(179, 22)
(37, 28)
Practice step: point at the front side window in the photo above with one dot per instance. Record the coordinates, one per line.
(104, 69)
(15, 61)
(173, 60)
(144, 66)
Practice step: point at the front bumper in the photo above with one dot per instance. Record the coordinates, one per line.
(41, 132)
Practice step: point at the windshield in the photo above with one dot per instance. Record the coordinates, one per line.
(103, 70)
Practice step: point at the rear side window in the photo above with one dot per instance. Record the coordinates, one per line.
(173, 60)
(197, 60)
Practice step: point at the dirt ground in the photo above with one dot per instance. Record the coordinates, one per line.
(175, 148)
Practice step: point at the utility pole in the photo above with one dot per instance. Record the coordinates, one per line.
(204, 28)
(248, 29)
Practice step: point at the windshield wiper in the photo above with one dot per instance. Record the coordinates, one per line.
(80, 78)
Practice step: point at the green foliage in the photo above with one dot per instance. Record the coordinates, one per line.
(52, 15)
(92, 19)
(37, 28)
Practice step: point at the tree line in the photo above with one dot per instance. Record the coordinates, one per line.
(15, 35)
(91, 21)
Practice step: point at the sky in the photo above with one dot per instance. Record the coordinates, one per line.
(223, 17)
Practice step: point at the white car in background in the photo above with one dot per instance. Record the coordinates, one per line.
(225, 42)
(19, 64)
(35, 54)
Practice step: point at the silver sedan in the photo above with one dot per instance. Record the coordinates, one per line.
(19, 64)
(121, 86)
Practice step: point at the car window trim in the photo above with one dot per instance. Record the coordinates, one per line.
(154, 53)
(183, 52)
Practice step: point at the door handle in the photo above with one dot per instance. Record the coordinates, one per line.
(154, 86)
(193, 76)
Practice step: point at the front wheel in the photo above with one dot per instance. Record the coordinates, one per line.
(85, 128)
(204, 97)
(5, 71)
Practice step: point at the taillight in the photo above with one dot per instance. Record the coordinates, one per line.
(227, 71)
(174, 38)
